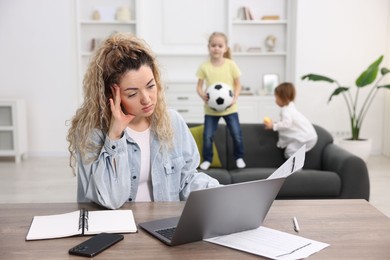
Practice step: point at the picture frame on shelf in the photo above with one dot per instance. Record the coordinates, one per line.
(270, 82)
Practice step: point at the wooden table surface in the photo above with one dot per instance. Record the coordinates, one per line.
(353, 228)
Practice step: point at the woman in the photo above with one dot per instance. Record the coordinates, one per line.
(125, 143)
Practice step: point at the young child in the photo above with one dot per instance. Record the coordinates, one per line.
(294, 128)
(125, 143)
(220, 68)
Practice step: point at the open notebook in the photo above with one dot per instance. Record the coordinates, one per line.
(81, 222)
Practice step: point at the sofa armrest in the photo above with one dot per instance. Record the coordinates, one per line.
(351, 169)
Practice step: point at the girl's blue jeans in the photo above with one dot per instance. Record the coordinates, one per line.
(211, 125)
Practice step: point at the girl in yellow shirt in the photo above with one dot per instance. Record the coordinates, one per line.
(220, 68)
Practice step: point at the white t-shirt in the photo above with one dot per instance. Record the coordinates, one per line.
(293, 126)
(144, 192)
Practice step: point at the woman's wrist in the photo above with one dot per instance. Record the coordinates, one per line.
(114, 136)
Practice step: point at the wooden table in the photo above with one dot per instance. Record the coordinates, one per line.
(353, 228)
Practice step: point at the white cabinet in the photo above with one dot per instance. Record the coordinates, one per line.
(182, 97)
(96, 20)
(253, 109)
(13, 135)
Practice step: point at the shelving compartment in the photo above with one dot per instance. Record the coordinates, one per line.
(6, 143)
(6, 116)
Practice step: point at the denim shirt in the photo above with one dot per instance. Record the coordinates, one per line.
(112, 178)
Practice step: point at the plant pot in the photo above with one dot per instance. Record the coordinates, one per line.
(360, 148)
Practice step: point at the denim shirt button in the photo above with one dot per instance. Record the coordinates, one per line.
(113, 147)
(130, 199)
(134, 177)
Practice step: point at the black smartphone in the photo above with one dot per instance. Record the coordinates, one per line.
(95, 244)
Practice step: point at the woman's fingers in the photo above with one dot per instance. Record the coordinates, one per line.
(116, 95)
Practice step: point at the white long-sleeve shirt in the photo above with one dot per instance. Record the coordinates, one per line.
(293, 126)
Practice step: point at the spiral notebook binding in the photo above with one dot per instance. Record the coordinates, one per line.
(83, 220)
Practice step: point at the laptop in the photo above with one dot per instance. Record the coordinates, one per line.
(225, 209)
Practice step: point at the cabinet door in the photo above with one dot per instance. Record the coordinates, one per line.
(248, 111)
(6, 128)
(13, 135)
(253, 109)
(192, 113)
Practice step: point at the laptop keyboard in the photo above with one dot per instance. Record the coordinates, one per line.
(167, 233)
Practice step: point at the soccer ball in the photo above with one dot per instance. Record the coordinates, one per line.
(220, 96)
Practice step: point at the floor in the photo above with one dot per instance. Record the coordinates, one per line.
(51, 180)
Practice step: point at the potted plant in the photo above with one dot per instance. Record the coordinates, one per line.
(357, 111)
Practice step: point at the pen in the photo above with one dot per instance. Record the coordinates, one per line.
(296, 225)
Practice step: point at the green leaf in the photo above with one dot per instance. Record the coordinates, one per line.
(337, 91)
(369, 75)
(384, 86)
(315, 77)
(384, 71)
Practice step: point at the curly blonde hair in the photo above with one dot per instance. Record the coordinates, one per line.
(118, 54)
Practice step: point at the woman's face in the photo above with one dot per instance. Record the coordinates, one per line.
(138, 92)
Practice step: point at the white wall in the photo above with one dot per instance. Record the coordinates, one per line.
(340, 39)
(386, 116)
(38, 62)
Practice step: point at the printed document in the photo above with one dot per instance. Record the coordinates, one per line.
(270, 243)
(293, 164)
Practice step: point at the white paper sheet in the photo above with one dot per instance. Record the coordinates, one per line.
(270, 243)
(293, 164)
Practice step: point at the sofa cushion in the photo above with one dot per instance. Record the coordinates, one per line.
(314, 157)
(197, 133)
(250, 174)
(221, 174)
(311, 184)
(301, 184)
(260, 149)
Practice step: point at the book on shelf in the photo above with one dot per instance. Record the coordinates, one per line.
(254, 49)
(244, 13)
(270, 17)
(248, 13)
(81, 222)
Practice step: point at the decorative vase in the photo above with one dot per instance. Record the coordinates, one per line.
(123, 14)
(270, 43)
(360, 148)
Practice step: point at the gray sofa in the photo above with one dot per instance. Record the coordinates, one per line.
(329, 171)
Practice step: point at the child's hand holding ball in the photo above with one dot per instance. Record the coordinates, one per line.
(267, 122)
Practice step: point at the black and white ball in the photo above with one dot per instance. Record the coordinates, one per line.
(220, 96)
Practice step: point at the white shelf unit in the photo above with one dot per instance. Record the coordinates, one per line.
(245, 34)
(180, 68)
(13, 133)
(91, 31)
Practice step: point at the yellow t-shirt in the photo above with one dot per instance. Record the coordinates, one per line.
(225, 73)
